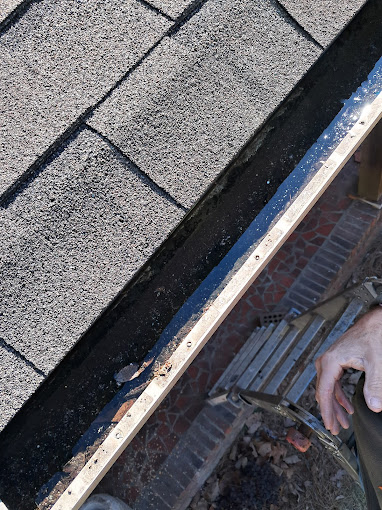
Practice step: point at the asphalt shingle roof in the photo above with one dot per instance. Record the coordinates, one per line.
(79, 232)
(7, 7)
(325, 19)
(57, 61)
(200, 95)
(173, 8)
(114, 121)
(18, 381)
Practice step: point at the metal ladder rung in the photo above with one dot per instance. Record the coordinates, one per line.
(306, 339)
(231, 377)
(299, 384)
(257, 363)
(288, 340)
(241, 356)
(254, 353)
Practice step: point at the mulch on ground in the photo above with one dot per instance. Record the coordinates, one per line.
(262, 471)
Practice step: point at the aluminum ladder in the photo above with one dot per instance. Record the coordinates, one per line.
(276, 365)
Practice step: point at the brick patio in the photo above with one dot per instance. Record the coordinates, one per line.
(315, 262)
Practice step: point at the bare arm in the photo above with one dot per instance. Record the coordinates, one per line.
(360, 348)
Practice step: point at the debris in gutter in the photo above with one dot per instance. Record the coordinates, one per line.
(164, 369)
(131, 371)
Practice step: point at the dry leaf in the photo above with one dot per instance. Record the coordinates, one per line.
(264, 449)
(254, 451)
(289, 472)
(289, 423)
(212, 491)
(278, 451)
(233, 453)
(292, 459)
(254, 423)
(277, 470)
(293, 490)
(127, 373)
(132, 371)
(241, 463)
(338, 476)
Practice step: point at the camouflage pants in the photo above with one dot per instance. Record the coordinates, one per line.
(368, 435)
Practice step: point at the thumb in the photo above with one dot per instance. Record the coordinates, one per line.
(373, 387)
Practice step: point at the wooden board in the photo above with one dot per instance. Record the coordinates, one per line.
(370, 172)
(91, 474)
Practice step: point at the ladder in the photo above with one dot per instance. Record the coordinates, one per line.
(276, 365)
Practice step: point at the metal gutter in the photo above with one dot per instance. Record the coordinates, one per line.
(225, 297)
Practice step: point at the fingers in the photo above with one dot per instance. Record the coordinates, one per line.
(328, 373)
(342, 398)
(341, 418)
(372, 389)
(360, 348)
(339, 403)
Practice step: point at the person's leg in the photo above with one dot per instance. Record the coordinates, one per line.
(368, 435)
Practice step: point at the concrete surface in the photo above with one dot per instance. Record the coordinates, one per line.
(197, 99)
(84, 227)
(324, 20)
(58, 60)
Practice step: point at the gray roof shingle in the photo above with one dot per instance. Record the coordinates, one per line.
(196, 100)
(7, 6)
(325, 19)
(79, 232)
(58, 60)
(12, 395)
(173, 8)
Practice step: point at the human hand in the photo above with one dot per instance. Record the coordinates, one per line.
(360, 348)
